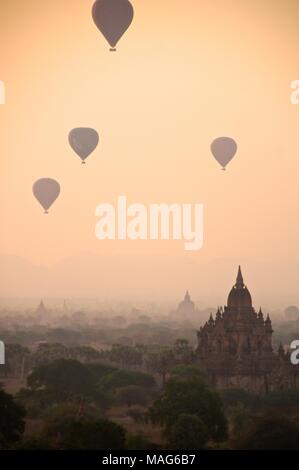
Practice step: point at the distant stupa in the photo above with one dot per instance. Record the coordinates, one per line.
(186, 306)
(41, 309)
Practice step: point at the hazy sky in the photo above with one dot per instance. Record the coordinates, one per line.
(185, 73)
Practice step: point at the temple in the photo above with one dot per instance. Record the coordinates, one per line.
(41, 310)
(185, 311)
(235, 348)
(186, 306)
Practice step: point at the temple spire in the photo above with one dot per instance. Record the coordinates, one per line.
(260, 314)
(41, 309)
(187, 296)
(239, 282)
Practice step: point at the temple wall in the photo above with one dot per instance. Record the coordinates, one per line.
(256, 384)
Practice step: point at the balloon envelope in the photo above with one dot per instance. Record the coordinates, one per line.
(46, 191)
(224, 149)
(112, 18)
(83, 141)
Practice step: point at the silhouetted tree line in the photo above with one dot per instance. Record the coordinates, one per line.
(73, 400)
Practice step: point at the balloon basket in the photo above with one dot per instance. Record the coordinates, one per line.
(46, 212)
(223, 169)
(83, 163)
(112, 49)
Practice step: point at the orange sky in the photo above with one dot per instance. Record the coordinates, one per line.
(184, 73)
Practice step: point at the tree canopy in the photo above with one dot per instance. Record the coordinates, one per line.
(271, 432)
(188, 432)
(122, 378)
(65, 377)
(190, 396)
(12, 422)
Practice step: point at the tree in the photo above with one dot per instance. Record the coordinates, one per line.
(187, 372)
(84, 354)
(16, 357)
(12, 422)
(190, 396)
(139, 442)
(100, 370)
(137, 413)
(271, 432)
(93, 435)
(123, 378)
(47, 353)
(34, 442)
(69, 426)
(282, 398)
(183, 352)
(240, 419)
(161, 363)
(131, 395)
(126, 356)
(187, 433)
(58, 417)
(63, 378)
(234, 396)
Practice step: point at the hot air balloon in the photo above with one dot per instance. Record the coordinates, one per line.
(112, 18)
(46, 191)
(224, 149)
(83, 141)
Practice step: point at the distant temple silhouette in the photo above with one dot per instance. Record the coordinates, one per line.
(41, 309)
(186, 310)
(235, 349)
(186, 306)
